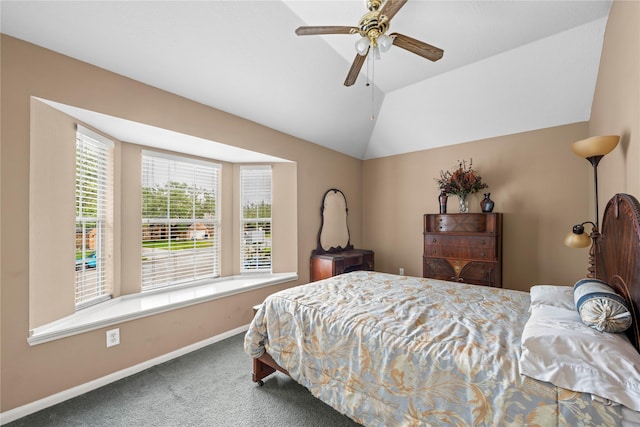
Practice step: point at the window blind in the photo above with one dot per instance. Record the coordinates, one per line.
(94, 214)
(256, 237)
(180, 220)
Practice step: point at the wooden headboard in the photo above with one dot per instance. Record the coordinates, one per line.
(617, 254)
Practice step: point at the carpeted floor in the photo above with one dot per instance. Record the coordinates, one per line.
(208, 387)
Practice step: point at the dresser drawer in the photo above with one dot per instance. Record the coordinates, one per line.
(456, 241)
(463, 271)
(464, 223)
(483, 254)
(438, 268)
(480, 273)
(469, 247)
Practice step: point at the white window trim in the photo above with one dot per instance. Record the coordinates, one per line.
(136, 306)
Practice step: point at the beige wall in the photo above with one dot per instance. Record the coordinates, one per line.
(532, 178)
(51, 203)
(31, 373)
(616, 104)
(537, 182)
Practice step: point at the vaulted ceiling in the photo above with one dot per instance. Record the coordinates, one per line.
(508, 66)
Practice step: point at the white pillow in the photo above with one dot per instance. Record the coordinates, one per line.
(552, 295)
(558, 348)
(600, 307)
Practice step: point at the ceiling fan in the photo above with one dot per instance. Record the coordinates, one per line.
(372, 27)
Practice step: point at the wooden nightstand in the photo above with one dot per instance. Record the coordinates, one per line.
(463, 248)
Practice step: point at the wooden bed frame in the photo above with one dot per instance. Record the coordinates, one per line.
(616, 261)
(617, 254)
(264, 366)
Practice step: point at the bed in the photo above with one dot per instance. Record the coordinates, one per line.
(390, 350)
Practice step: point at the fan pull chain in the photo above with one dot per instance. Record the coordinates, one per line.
(373, 89)
(371, 82)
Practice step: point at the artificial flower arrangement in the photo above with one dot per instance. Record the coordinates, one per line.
(461, 181)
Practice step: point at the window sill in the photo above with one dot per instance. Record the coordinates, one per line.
(130, 307)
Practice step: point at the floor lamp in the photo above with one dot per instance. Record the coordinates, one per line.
(593, 149)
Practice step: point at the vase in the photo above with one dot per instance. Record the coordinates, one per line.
(486, 204)
(442, 199)
(464, 207)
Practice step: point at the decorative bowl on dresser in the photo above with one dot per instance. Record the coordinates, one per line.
(464, 248)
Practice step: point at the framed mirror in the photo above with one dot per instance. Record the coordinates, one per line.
(333, 235)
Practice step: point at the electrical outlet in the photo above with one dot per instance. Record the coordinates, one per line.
(401, 271)
(113, 337)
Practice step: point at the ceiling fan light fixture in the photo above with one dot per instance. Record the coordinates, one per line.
(362, 46)
(385, 42)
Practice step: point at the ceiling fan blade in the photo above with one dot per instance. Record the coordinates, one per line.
(318, 30)
(391, 7)
(355, 69)
(423, 49)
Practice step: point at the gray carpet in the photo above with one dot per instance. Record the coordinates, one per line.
(208, 387)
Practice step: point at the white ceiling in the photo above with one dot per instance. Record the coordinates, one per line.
(508, 66)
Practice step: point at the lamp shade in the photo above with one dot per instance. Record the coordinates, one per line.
(595, 146)
(574, 240)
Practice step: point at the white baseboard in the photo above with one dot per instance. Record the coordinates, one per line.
(54, 399)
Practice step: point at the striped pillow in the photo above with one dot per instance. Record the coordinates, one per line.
(600, 307)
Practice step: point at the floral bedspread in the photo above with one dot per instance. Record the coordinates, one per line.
(392, 350)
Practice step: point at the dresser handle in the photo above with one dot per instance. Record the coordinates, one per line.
(435, 240)
(482, 254)
(483, 242)
(435, 251)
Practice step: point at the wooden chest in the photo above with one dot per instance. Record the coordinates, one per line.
(463, 248)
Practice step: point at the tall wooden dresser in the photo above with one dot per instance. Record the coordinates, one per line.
(464, 247)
